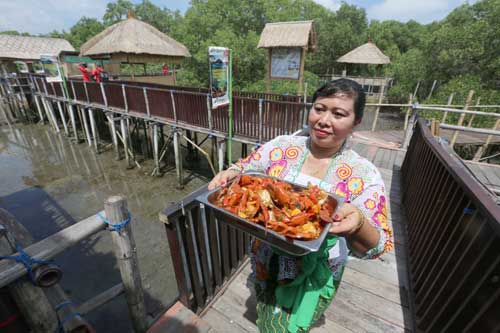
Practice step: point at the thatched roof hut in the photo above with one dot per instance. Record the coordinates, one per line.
(288, 34)
(367, 53)
(134, 41)
(30, 48)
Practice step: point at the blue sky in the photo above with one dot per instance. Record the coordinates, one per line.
(35, 16)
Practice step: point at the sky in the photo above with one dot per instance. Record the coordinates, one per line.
(35, 16)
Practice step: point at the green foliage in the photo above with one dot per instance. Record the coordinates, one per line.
(461, 52)
(288, 87)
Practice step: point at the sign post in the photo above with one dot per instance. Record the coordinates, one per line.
(221, 91)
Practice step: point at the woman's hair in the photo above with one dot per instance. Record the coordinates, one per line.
(347, 87)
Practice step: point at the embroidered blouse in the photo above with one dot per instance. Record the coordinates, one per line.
(350, 176)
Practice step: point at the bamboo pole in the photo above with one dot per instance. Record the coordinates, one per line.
(125, 251)
(86, 126)
(220, 152)
(462, 117)
(112, 128)
(155, 149)
(408, 111)
(471, 119)
(482, 149)
(178, 159)
(381, 96)
(73, 122)
(124, 140)
(31, 300)
(93, 127)
(39, 109)
(63, 118)
(448, 104)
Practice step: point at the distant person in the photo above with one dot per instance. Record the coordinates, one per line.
(165, 69)
(85, 72)
(97, 74)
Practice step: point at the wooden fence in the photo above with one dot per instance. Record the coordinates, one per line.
(453, 239)
(205, 252)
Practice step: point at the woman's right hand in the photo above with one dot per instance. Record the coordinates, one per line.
(222, 178)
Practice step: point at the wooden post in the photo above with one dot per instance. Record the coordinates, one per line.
(482, 149)
(409, 129)
(86, 126)
(39, 109)
(51, 115)
(124, 131)
(220, 153)
(155, 149)
(31, 300)
(73, 122)
(450, 100)
(178, 159)
(112, 128)
(380, 98)
(471, 119)
(408, 111)
(462, 117)
(301, 70)
(63, 118)
(125, 251)
(435, 127)
(95, 135)
(268, 76)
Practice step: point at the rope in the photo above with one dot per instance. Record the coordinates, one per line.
(62, 305)
(27, 261)
(116, 226)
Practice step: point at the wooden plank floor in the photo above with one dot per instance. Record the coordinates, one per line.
(373, 296)
(487, 174)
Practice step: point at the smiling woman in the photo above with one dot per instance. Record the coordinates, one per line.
(293, 292)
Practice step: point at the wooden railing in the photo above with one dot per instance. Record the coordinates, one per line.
(205, 252)
(453, 239)
(256, 119)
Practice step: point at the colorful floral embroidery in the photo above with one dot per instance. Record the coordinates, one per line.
(292, 152)
(276, 154)
(277, 168)
(344, 171)
(355, 185)
(370, 204)
(379, 218)
(341, 189)
(256, 156)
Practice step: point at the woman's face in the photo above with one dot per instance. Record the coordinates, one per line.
(331, 120)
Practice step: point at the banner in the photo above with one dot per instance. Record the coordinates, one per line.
(51, 68)
(219, 75)
(22, 67)
(285, 63)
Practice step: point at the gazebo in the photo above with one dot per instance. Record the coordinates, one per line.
(287, 43)
(135, 42)
(28, 50)
(368, 54)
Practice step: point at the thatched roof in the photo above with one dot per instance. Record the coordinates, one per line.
(30, 48)
(367, 53)
(288, 34)
(133, 36)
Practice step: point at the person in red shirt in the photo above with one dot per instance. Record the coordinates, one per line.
(85, 72)
(97, 73)
(165, 69)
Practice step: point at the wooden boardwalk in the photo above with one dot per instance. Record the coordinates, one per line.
(373, 296)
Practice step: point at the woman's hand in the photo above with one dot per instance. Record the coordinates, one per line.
(222, 178)
(347, 220)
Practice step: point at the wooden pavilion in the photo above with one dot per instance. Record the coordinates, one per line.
(135, 42)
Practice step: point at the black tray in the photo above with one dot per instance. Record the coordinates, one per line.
(294, 247)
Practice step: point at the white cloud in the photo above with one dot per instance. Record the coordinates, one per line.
(423, 11)
(36, 17)
(330, 4)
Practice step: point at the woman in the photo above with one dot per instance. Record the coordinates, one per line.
(293, 292)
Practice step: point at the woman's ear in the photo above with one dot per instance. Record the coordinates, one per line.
(357, 122)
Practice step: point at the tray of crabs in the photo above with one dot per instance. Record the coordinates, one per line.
(291, 217)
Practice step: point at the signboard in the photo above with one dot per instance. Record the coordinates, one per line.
(51, 68)
(219, 75)
(22, 67)
(285, 63)
(38, 67)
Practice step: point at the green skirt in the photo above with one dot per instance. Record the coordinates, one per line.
(272, 319)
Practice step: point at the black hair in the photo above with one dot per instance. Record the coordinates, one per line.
(83, 64)
(344, 86)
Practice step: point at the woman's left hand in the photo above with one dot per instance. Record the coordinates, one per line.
(346, 220)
